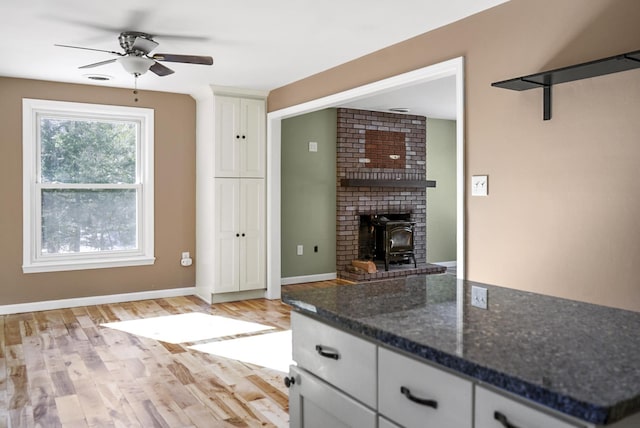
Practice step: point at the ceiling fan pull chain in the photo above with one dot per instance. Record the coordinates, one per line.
(135, 87)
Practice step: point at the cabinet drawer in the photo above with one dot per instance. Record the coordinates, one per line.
(415, 394)
(491, 406)
(343, 360)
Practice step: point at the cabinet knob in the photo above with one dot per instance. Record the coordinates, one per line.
(423, 401)
(243, 234)
(244, 136)
(237, 137)
(237, 235)
(288, 381)
(503, 420)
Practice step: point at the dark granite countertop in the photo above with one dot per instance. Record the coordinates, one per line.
(578, 358)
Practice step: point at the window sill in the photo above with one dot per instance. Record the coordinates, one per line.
(59, 266)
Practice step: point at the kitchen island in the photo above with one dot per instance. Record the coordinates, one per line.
(562, 357)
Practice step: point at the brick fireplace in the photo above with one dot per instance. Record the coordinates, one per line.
(381, 162)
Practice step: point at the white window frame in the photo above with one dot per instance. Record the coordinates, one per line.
(33, 260)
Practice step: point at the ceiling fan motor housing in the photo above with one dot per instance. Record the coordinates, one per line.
(128, 40)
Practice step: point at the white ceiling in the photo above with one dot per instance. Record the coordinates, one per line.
(435, 99)
(255, 44)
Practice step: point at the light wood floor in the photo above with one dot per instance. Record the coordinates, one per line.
(61, 368)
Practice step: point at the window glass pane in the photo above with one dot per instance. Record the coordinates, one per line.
(87, 151)
(83, 221)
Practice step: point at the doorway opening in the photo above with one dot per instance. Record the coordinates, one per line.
(453, 67)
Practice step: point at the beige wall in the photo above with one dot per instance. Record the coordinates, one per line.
(174, 196)
(564, 195)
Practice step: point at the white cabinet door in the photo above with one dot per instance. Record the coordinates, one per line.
(227, 242)
(315, 404)
(227, 136)
(253, 137)
(415, 394)
(494, 410)
(252, 234)
(240, 235)
(240, 134)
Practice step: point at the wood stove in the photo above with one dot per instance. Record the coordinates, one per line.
(394, 242)
(387, 237)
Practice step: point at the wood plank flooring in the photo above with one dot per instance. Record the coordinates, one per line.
(61, 368)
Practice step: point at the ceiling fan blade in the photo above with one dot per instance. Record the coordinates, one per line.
(144, 45)
(160, 69)
(88, 49)
(189, 59)
(98, 64)
(182, 37)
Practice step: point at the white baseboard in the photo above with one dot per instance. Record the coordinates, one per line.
(94, 300)
(237, 296)
(308, 278)
(446, 264)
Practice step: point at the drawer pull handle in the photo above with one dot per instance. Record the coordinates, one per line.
(332, 355)
(288, 381)
(430, 403)
(503, 420)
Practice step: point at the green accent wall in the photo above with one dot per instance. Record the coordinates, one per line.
(308, 200)
(441, 200)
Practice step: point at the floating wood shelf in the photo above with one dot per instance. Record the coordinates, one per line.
(547, 79)
(356, 182)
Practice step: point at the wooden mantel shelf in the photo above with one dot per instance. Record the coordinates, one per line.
(358, 182)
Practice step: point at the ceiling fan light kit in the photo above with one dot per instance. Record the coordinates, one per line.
(136, 65)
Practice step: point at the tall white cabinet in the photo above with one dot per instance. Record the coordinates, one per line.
(230, 195)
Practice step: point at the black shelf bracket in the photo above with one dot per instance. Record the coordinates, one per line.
(546, 103)
(547, 79)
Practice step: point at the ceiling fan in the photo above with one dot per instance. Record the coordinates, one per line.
(137, 58)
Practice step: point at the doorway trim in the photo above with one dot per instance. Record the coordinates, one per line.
(452, 67)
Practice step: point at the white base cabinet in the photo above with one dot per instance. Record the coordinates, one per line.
(333, 388)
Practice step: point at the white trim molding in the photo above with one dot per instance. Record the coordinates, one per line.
(308, 278)
(34, 258)
(452, 67)
(47, 305)
(446, 264)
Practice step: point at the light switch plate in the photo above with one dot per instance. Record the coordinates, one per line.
(313, 146)
(479, 185)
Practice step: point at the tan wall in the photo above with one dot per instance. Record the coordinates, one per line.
(174, 196)
(562, 217)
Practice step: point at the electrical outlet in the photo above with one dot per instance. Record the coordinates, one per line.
(479, 297)
(186, 259)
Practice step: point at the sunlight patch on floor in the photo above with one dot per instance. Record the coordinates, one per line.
(191, 327)
(271, 350)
